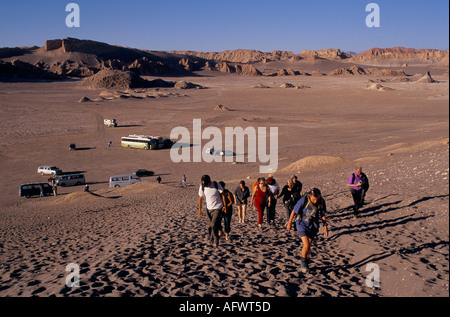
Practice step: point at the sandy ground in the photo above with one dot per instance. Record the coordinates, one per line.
(147, 240)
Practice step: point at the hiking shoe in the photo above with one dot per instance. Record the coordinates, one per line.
(303, 266)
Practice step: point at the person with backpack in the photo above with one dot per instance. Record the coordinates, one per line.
(228, 210)
(359, 185)
(212, 193)
(309, 211)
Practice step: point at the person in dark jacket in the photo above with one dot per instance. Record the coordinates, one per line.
(241, 196)
(290, 197)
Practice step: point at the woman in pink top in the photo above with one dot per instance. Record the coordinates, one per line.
(261, 198)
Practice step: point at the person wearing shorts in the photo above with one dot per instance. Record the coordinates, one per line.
(309, 211)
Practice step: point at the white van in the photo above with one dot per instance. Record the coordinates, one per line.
(72, 179)
(123, 180)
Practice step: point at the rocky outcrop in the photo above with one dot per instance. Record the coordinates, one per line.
(189, 65)
(427, 79)
(252, 56)
(116, 79)
(147, 67)
(357, 70)
(386, 72)
(353, 70)
(236, 56)
(330, 54)
(187, 85)
(401, 54)
(229, 68)
(18, 70)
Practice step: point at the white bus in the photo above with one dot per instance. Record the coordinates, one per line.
(140, 142)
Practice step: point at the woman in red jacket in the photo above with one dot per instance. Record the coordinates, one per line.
(261, 198)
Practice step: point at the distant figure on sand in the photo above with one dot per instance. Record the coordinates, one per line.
(241, 195)
(261, 198)
(212, 192)
(309, 211)
(359, 184)
(228, 210)
(158, 179)
(183, 181)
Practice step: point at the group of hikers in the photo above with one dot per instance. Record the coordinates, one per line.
(306, 209)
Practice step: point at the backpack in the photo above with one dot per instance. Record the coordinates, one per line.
(364, 179)
(311, 215)
(293, 200)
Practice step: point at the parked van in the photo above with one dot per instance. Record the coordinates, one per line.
(123, 180)
(28, 190)
(70, 179)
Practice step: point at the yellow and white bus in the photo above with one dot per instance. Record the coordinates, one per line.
(140, 142)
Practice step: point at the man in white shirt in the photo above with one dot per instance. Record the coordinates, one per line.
(212, 192)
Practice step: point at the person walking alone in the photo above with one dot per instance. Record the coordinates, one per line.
(359, 185)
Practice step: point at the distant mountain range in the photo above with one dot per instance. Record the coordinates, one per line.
(74, 58)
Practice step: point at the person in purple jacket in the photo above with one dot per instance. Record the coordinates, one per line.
(359, 184)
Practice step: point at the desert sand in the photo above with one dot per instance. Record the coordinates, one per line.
(146, 240)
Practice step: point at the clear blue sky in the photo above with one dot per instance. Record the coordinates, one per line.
(211, 25)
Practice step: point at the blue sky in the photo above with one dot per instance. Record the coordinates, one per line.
(209, 25)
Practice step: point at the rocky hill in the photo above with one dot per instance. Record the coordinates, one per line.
(74, 58)
(401, 54)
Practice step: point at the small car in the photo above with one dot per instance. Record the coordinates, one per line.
(143, 173)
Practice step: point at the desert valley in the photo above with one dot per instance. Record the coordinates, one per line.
(383, 109)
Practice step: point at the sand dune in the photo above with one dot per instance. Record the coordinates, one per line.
(314, 162)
